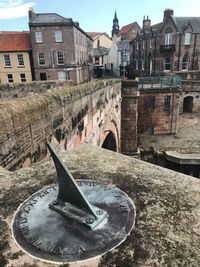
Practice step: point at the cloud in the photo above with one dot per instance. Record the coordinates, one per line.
(14, 8)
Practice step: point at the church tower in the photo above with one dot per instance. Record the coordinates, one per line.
(115, 27)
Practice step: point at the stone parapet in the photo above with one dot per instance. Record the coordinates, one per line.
(167, 226)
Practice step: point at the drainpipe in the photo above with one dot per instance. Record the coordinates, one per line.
(172, 111)
(194, 51)
(154, 65)
(179, 51)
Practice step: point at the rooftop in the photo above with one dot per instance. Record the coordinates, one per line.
(14, 41)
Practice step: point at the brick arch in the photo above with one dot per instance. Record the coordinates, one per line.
(110, 127)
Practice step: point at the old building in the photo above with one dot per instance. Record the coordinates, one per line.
(172, 45)
(100, 39)
(15, 51)
(60, 48)
(119, 54)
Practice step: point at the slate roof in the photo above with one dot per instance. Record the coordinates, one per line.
(182, 22)
(49, 18)
(100, 51)
(125, 29)
(121, 45)
(14, 41)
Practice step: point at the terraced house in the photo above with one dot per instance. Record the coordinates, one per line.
(15, 60)
(170, 46)
(60, 48)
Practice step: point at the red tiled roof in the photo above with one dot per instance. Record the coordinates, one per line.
(14, 41)
(125, 29)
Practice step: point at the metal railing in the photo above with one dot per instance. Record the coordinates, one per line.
(160, 81)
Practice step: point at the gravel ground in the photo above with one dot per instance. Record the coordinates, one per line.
(187, 140)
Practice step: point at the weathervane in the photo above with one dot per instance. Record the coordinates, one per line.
(73, 220)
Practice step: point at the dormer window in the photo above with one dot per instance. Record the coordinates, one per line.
(187, 38)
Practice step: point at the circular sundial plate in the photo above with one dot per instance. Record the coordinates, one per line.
(47, 235)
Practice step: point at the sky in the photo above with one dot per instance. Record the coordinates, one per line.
(93, 16)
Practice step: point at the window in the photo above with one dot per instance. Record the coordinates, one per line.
(41, 59)
(7, 62)
(20, 60)
(60, 57)
(167, 99)
(167, 63)
(43, 76)
(150, 102)
(185, 62)
(10, 78)
(58, 36)
(187, 39)
(96, 60)
(168, 38)
(22, 77)
(38, 37)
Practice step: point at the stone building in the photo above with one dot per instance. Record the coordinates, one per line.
(60, 48)
(100, 39)
(119, 54)
(15, 51)
(172, 45)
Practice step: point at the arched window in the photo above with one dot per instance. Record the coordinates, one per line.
(185, 62)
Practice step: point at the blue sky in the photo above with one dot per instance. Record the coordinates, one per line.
(93, 15)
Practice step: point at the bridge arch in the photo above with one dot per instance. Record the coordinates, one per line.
(110, 142)
(110, 136)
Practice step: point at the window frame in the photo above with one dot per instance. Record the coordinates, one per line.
(39, 58)
(22, 61)
(6, 65)
(8, 78)
(39, 37)
(58, 58)
(168, 38)
(166, 102)
(187, 38)
(58, 37)
(167, 64)
(22, 79)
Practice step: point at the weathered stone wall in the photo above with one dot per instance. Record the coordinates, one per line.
(17, 90)
(167, 228)
(66, 116)
(129, 117)
(153, 116)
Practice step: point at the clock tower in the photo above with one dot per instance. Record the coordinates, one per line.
(115, 27)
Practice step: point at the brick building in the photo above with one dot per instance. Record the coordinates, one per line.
(60, 48)
(170, 46)
(15, 59)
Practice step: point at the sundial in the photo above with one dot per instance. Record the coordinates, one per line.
(73, 220)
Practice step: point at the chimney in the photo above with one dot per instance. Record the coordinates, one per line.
(76, 23)
(31, 13)
(167, 13)
(146, 23)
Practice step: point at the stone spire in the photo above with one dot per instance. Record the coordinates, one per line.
(115, 27)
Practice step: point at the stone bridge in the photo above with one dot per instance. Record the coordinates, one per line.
(68, 116)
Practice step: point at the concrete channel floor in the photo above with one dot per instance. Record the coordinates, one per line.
(187, 140)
